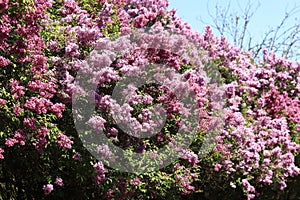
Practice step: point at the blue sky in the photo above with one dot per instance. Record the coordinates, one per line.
(269, 14)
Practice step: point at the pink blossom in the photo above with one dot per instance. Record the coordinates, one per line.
(2, 102)
(77, 156)
(217, 167)
(16, 90)
(112, 132)
(39, 105)
(135, 181)
(48, 189)
(40, 143)
(46, 89)
(64, 141)
(17, 110)
(3, 4)
(20, 136)
(43, 132)
(109, 192)
(191, 157)
(10, 142)
(59, 181)
(30, 123)
(1, 153)
(3, 61)
(72, 50)
(100, 171)
(39, 65)
(97, 122)
(105, 153)
(57, 109)
(185, 181)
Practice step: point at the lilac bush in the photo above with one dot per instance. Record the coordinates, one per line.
(44, 45)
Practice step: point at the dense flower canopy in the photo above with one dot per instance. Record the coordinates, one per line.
(44, 44)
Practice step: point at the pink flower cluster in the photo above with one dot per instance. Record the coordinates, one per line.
(100, 172)
(59, 182)
(43, 105)
(48, 189)
(16, 90)
(64, 141)
(45, 89)
(136, 181)
(281, 104)
(41, 139)
(39, 105)
(4, 61)
(19, 137)
(191, 157)
(97, 123)
(1, 153)
(185, 180)
(2, 102)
